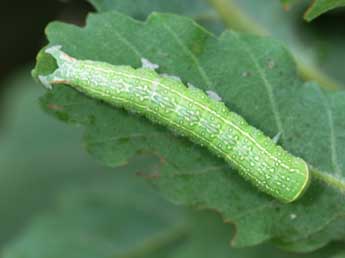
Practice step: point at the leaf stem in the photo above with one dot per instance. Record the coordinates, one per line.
(234, 18)
(328, 179)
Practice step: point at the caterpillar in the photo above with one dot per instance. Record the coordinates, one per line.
(191, 113)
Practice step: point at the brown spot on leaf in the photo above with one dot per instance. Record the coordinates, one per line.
(148, 175)
(55, 107)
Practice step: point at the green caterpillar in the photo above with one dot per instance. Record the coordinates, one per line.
(189, 112)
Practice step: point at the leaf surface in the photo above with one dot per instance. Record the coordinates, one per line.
(318, 51)
(32, 146)
(199, 10)
(256, 77)
(119, 216)
(318, 7)
(109, 217)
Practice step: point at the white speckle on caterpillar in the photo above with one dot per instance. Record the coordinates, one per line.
(44, 80)
(213, 95)
(154, 86)
(145, 63)
(174, 77)
(276, 138)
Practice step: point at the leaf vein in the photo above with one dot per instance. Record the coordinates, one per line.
(201, 70)
(330, 120)
(123, 39)
(268, 87)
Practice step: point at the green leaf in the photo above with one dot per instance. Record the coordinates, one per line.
(117, 216)
(114, 216)
(208, 240)
(256, 77)
(200, 11)
(32, 146)
(340, 255)
(318, 7)
(31, 176)
(316, 52)
(38, 156)
(319, 53)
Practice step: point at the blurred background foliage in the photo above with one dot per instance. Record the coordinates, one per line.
(49, 184)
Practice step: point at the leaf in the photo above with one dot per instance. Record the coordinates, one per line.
(32, 146)
(115, 216)
(256, 77)
(316, 52)
(207, 240)
(140, 9)
(31, 176)
(318, 7)
(38, 156)
(340, 255)
(118, 216)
